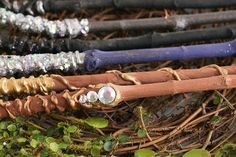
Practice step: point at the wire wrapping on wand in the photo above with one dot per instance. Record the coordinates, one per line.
(45, 84)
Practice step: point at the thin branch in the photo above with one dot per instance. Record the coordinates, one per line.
(75, 27)
(209, 136)
(226, 100)
(23, 44)
(171, 133)
(79, 5)
(144, 126)
(179, 22)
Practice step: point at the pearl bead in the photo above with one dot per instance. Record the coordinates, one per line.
(106, 95)
(92, 96)
(82, 99)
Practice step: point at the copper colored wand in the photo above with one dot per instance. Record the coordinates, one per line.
(57, 83)
(106, 96)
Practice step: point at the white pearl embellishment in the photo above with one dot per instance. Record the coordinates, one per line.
(92, 96)
(106, 95)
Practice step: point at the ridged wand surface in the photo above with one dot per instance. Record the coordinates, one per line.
(72, 100)
(57, 83)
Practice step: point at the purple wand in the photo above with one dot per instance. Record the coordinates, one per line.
(96, 58)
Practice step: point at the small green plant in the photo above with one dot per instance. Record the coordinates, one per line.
(97, 122)
(144, 153)
(228, 150)
(20, 138)
(216, 100)
(197, 153)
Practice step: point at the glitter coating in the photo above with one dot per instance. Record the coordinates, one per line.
(67, 27)
(11, 64)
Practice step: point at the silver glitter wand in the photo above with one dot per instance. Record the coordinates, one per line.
(90, 60)
(67, 27)
(12, 64)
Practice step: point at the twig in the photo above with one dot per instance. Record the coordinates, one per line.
(37, 126)
(207, 142)
(179, 22)
(223, 141)
(202, 118)
(140, 109)
(226, 100)
(181, 126)
(75, 6)
(151, 40)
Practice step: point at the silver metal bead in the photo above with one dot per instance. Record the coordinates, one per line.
(92, 96)
(82, 99)
(106, 95)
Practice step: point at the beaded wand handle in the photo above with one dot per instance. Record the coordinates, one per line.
(46, 84)
(107, 96)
